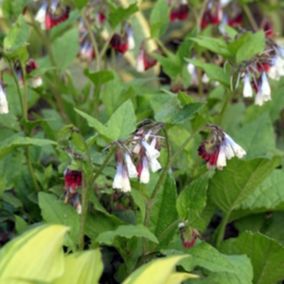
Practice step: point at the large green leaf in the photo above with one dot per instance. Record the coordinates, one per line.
(119, 126)
(54, 211)
(84, 267)
(128, 232)
(99, 78)
(230, 187)
(214, 72)
(65, 48)
(258, 137)
(268, 195)
(158, 272)
(192, 200)
(250, 45)
(224, 269)
(216, 45)
(159, 24)
(36, 255)
(10, 144)
(164, 213)
(265, 253)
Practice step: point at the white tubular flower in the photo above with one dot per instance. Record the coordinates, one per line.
(40, 15)
(36, 82)
(140, 66)
(151, 151)
(4, 108)
(130, 39)
(193, 73)
(277, 69)
(205, 79)
(247, 91)
(132, 172)
(264, 92)
(79, 209)
(121, 180)
(145, 173)
(238, 150)
(221, 161)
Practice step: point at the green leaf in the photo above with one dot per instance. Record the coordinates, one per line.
(164, 213)
(122, 122)
(258, 137)
(65, 48)
(214, 72)
(172, 65)
(54, 211)
(84, 267)
(99, 78)
(216, 45)
(268, 194)
(17, 37)
(128, 232)
(36, 255)
(192, 200)
(230, 187)
(94, 123)
(250, 45)
(80, 3)
(159, 24)
(18, 141)
(158, 271)
(265, 254)
(224, 269)
(120, 14)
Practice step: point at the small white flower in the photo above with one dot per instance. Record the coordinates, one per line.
(4, 108)
(247, 91)
(225, 2)
(193, 73)
(221, 161)
(130, 39)
(145, 173)
(154, 165)
(36, 82)
(205, 79)
(79, 208)
(132, 172)
(238, 150)
(53, 6)
(40, 15)
(264, 92)
(121, 180)
(140, 67)
(151, 151)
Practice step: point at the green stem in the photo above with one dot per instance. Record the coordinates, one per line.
(224, 107)
(85, 201)
(250, 17)
(221, 231)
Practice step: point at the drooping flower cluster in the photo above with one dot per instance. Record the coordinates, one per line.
(143, 149)
(31, 65)
(124, 41)
(216, 13)
(51, 14)
(179, 10)
(4, 107)
(188, 235)
(73, 181)
(219, 148)
(255, 73)
(144, 60)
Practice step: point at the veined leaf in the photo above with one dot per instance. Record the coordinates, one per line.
(120, 14)
(128, 232)
(159, 24)
(158, 272)
(265, 253)
(229, 188)
(36, 255)
(85, 267)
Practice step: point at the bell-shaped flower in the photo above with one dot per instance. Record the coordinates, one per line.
(263, 91)
(121, 179)
(131, 169)
(4, 108)
(143, 170)
(247, 90)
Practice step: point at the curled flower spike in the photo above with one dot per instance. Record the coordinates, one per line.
(219, 148)
(4, 108)
(73, 181)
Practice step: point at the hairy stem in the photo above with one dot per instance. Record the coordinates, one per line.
(221, 230)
